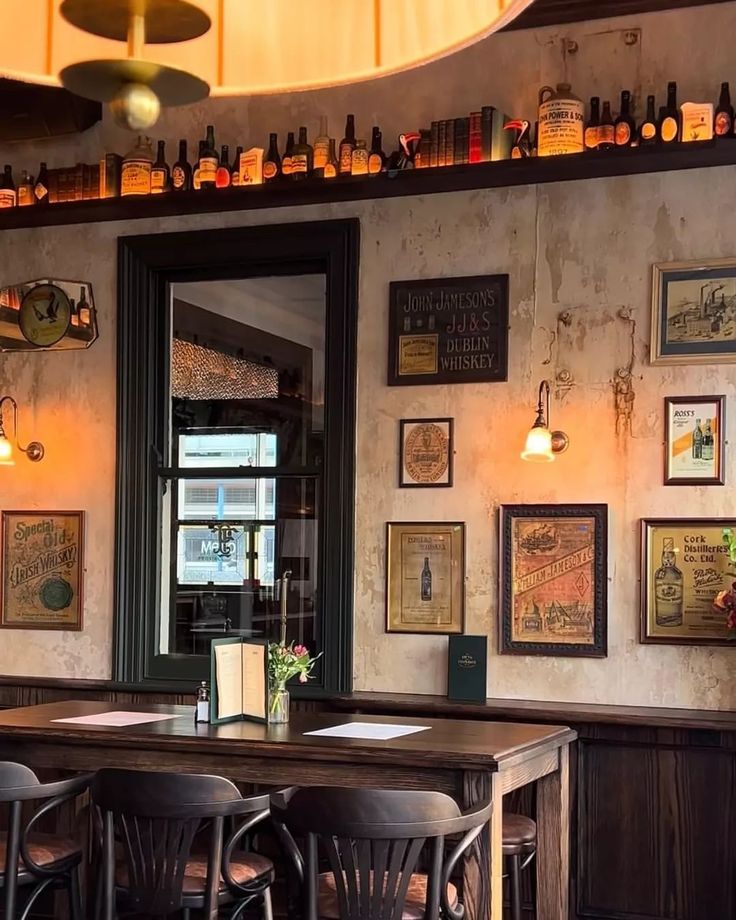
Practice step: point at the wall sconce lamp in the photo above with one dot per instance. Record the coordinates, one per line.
(34, 451)
(541, 443)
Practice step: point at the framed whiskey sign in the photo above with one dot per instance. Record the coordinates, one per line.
(684, 564)
(448, 330)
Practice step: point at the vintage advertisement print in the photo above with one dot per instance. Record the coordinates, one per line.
(694, 312)
(553, 586)
(425, 452)
(426, 575)
(684, 565)
(694, 440)
(448, 330)
(42, 569)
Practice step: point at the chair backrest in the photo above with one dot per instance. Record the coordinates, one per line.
(156, 816)
(373, 840)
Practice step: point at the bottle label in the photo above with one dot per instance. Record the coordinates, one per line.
(196, 184)
(158, 181)
(723, 124)
(359, 166)
(668, 130)
(299, 163)
(606, 135)
(669, 592)
(7, 198)
(346, 157)
(375, 163)
(136, 178)
(207, 170)
(561, 127)
(178, 177)
(321, 152)
(235, 178)
(222, 178)
(591, 138)
(25, 196)
(270, 170)
(286, 166)
(203, 711)
(330, 171)
(41, 191)
(648, 131)
(623, 134)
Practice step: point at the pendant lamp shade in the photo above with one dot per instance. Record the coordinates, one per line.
(243, 47)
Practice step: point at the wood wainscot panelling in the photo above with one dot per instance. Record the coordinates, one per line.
(653, 799)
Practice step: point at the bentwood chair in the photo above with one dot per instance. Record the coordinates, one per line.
(374, 842)
(155, 868)
(33, 860)
(519, 847)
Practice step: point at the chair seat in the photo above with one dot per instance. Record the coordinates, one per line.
(45, 850)
(244, 868)
(414, 907)
(519, 835)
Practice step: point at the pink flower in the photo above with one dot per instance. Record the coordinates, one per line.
(300, 650)
(302, 678)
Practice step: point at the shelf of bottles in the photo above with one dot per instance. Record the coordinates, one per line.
(482, 150)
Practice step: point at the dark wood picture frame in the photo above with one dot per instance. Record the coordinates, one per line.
(449, 468)
(649, 564)
(719, 402)
(598, 514)
(457, 588)
(74, 625)
(463, 321)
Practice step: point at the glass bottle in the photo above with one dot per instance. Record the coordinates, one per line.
(41, 188)
(272, 160)
(426, 581)
(196, 183)
(181, 173)
(235, 171)
(593, 127)
(202, 708)
(321, 145)
(707, 449)
(160, 172)
(301, 157)
(723, 119)
(624, 128)
(606, 133)
(648, 128)
(668, 582)
(332, 166)
(84, 312)
(669, 117)
(135, 178)
(208, 161)
(347, 145)
(288, 151)
(359, 161)
(376, 158)
(25, 190)
(697, 441)
(222, 176)
(8, 197)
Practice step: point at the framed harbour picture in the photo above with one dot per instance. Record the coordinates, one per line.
(425, 452)
(42, 564)
(553, 580)
(684, 565)
(694, 440)
(425, 578)
(694, 312)
(448, 330)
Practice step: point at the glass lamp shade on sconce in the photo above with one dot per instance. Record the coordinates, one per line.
(6, 451)
(542, 444)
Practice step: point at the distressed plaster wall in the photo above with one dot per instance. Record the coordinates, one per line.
(586, 248)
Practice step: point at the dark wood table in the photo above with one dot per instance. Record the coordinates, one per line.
(469, 760)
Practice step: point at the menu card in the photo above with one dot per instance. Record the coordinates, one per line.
(239, 680)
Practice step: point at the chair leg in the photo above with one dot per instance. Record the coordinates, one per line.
(76, 911)
(267, 905)
(515, 886)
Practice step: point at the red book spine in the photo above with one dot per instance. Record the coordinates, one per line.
(475, 138)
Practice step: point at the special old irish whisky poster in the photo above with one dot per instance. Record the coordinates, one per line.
(684, 565)
(42, 569)
(425, 572)
(553, 579)
(448, 330)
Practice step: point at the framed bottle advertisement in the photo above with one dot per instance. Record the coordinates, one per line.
(426, 453)
(425, 578)
(694, 440)
(553, 580)
(684, 564)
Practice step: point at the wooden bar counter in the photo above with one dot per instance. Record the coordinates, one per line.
(468, 760)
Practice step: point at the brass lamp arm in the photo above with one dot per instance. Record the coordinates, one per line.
(34, 449)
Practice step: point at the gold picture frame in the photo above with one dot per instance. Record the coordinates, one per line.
(425, 578)
(684, 564)
(42, 570)
(693, 317)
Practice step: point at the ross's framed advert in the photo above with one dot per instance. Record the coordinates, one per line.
(425, 578)
(553, 580)
(684, 564)
(694, 312)
(425, 453)
(42, 566)
(694, 440)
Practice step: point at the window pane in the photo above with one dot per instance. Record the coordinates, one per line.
(199, 449)
(226, 499)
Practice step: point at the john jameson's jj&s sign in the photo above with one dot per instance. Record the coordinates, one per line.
(448, 330)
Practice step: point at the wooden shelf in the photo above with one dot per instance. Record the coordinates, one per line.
(504, 174)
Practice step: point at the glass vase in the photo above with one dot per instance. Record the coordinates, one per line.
(278, 706)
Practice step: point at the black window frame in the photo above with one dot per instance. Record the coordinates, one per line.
(147, 266)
